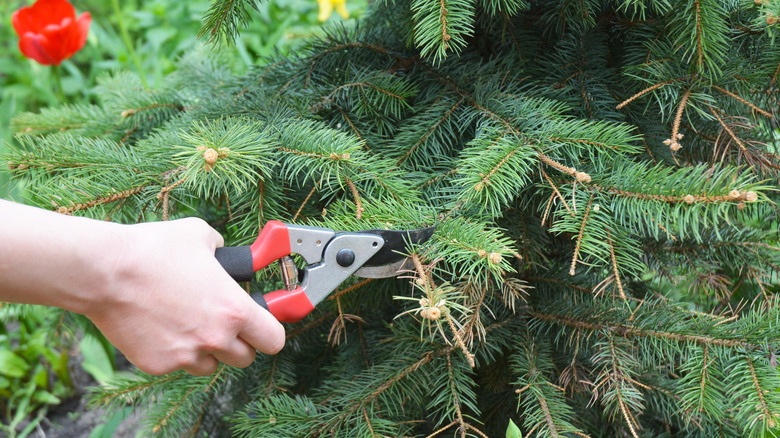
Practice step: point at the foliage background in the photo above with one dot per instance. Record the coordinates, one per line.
(34, 359)
(541, 338)
(161, 30)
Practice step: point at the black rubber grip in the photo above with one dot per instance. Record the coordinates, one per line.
(237, 261)
(259, 299)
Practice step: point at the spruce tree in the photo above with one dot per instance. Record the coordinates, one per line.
(602, 176)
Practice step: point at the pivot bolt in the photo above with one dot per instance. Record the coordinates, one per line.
(345, 257)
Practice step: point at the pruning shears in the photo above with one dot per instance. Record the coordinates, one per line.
(330, 258)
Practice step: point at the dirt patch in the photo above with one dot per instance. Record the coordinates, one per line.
(74, 419)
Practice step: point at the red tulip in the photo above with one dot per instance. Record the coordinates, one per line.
(49, 31)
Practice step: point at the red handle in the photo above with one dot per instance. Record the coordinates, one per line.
(288, 306)
(272, 244)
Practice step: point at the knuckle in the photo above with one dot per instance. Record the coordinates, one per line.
(182, 360)
(211, 341)
(235, 315)
(194, 224)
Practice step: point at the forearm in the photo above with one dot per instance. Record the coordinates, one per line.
(53, 259)
(154, 289)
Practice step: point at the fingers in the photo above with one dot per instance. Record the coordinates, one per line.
(238, 354)
(204, 366)
(262, 331)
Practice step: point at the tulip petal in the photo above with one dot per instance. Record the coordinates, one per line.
(82, 30)
(69, 39)
(34, 46)
(43, 13)
(49, 31)
(58, 41)
(23, 21)
(52, 12)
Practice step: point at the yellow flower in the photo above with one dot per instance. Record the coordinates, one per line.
(327, 6)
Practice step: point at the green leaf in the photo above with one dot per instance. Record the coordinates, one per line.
(45, 397)
(512, 431)
(12, 365)
(97, 361)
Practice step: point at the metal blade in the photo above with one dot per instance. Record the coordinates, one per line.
(395, 245)
(385, 271)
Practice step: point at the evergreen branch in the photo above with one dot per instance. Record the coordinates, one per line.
(441, 26)
(455, 396)
(702, 27)
(732, 196)
(100, 201)
(174, 408)
(133, 111)
(629, 331)
(445, 37)
(728, 130)
(340, 292)
(699, 51)
(129, 391)
(493, 172)
(338, 48)
(557, 193)
(351, 124)
(442, 429)
(774, 76)
(474, 251)
(548, 416)
(358, 205)
(755, 108)
(579, 237)
(768, 415)
(459, 341)
(428, 132)
(580, 176)
(704, 379)
(673, 140)
(369, 398)
(647, 90)
(756, 389)
(305, 201)
(310, 325)
(615, 366)
(164, 196)
(225, 18)
(328, 100)
(544, 405)
(615, 271)
(65, 118)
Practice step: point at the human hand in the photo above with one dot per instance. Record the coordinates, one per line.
(170, 305)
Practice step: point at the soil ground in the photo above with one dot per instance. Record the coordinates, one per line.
(74, 419)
